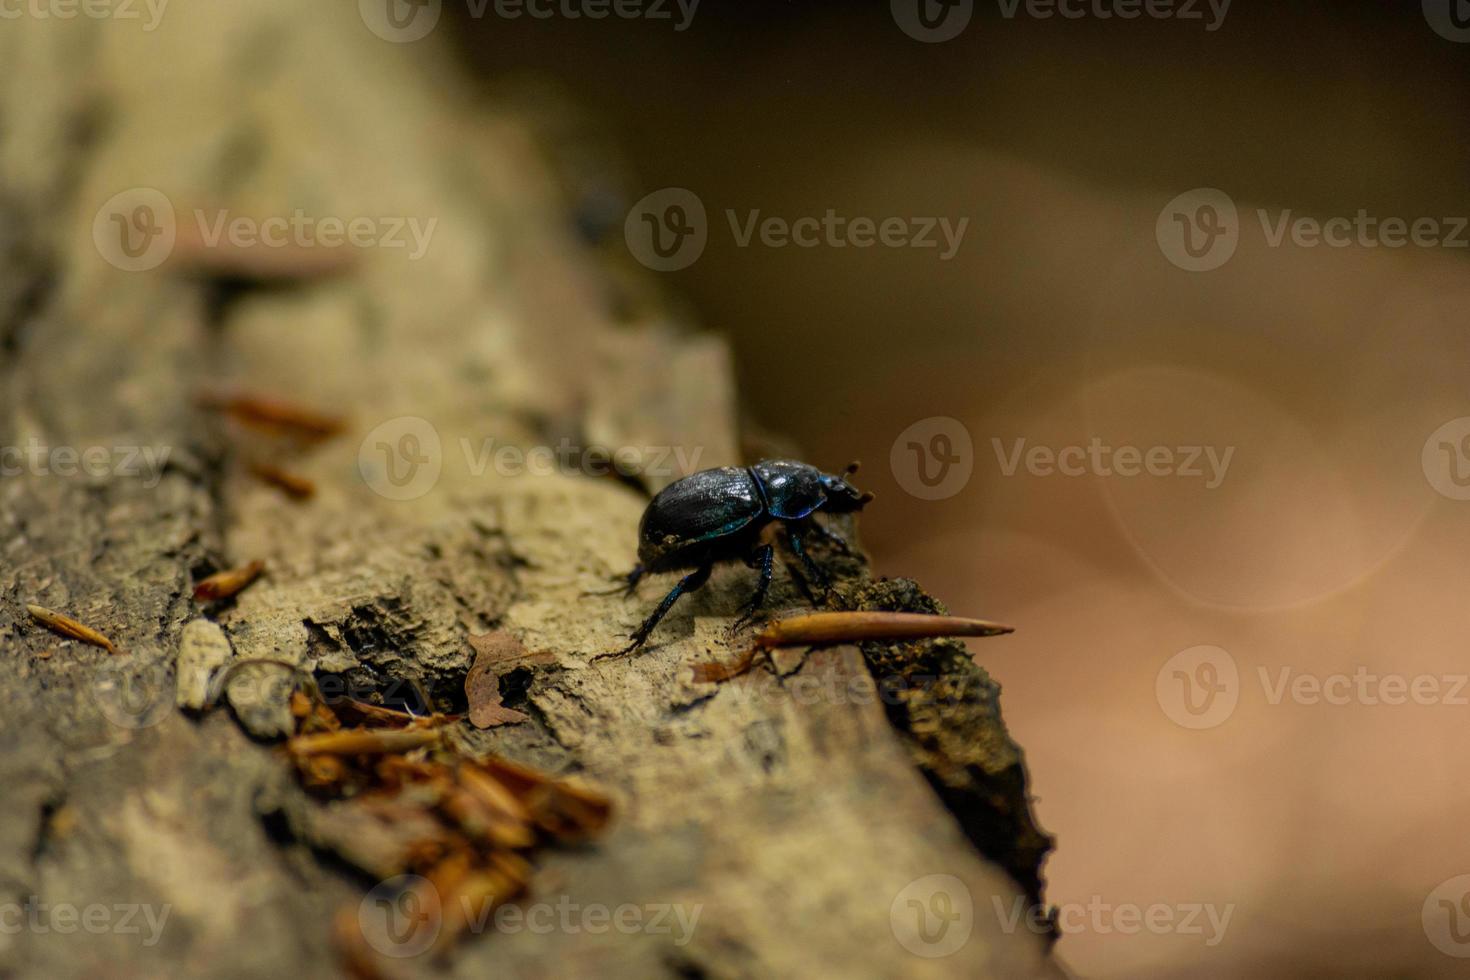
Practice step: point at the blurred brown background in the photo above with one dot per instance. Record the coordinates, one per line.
(1325, 828)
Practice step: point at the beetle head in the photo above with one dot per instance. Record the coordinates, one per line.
(843, 497)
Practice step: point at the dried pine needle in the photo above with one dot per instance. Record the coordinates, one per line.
(223, 585)
(67, 626)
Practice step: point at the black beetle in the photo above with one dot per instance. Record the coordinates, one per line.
(718, 515)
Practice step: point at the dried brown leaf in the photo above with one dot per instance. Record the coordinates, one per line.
(494, 653)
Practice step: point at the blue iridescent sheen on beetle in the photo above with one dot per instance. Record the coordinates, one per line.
(718, 515)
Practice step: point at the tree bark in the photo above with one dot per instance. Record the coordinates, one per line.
(800, 815)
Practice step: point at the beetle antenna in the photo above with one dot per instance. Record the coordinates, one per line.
(852, 467)
(866, 498)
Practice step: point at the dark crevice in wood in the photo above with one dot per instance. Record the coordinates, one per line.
(945, 705)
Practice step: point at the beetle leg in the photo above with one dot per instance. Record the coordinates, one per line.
(793, 539)
(629, 582)
(761, 558)
(688, 583)
(837, 540)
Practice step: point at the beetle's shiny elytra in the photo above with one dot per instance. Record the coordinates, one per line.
(718, 515)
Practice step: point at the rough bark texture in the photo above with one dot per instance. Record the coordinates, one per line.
(790, 811)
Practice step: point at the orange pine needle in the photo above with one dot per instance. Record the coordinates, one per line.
(275, 416)
(222, 585)
(844, 627)
(362, 742)
(67, 626)
(293, 486)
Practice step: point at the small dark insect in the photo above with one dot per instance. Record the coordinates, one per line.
(718, 515)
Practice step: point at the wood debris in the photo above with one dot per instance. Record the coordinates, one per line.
(495, 652)
(402, 801)
(203, 650)
(827, 628)
(279, 264)
(294, 486)
(275, 417)
(67, 626)
(223, 585)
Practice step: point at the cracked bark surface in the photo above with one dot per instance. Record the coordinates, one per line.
(792, 811)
